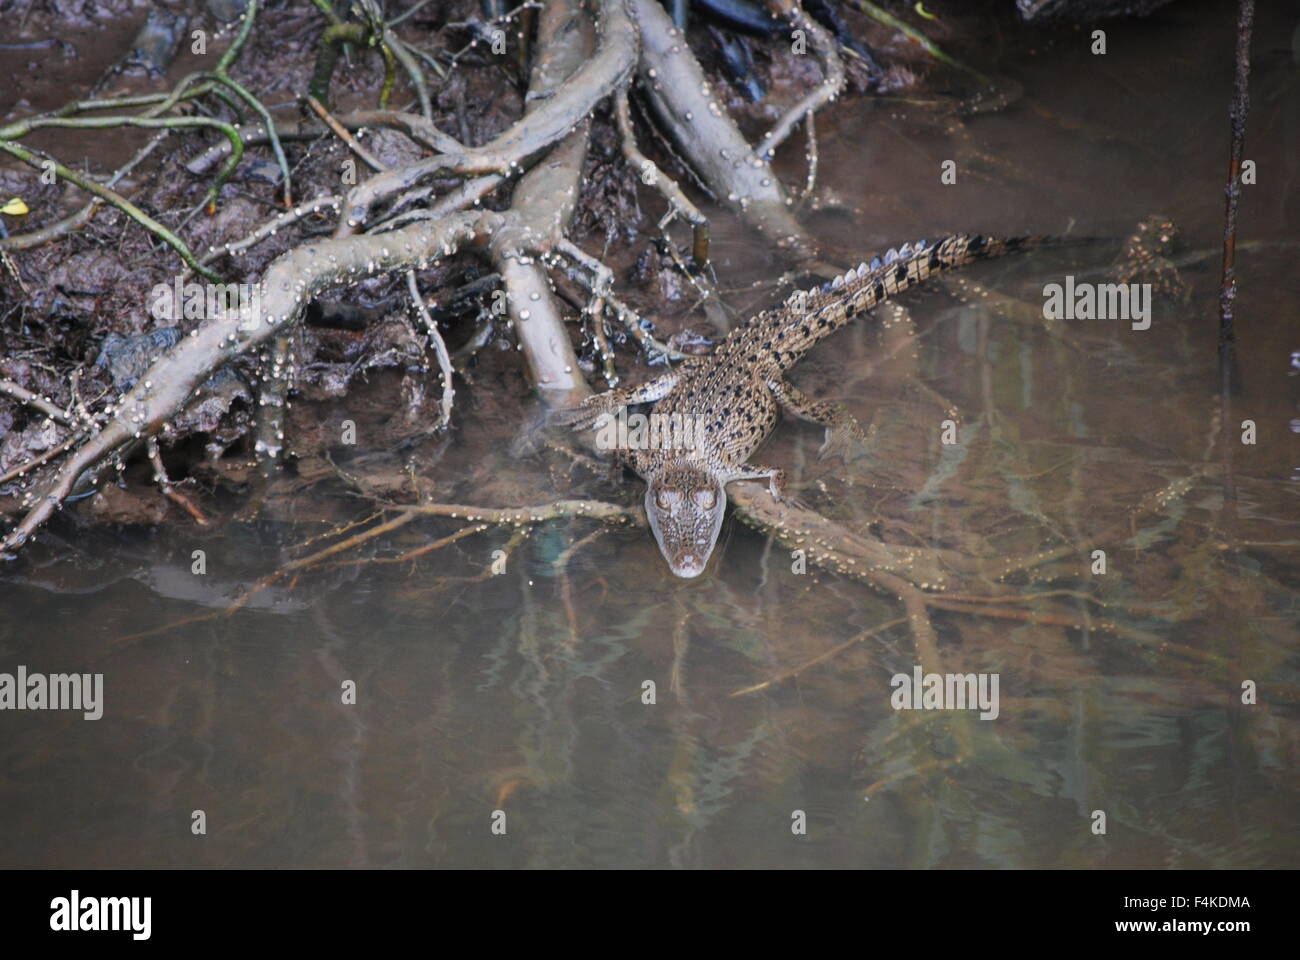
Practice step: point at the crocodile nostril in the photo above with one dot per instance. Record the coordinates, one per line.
(688, 564)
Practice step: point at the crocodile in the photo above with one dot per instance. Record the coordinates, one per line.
(735, 394)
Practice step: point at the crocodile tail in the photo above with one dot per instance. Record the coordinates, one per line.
(967, 248)
(871, 283)
(809, 316)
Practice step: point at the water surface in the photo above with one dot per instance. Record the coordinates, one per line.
(523, 692)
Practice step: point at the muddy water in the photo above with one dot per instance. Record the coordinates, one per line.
(523, 692)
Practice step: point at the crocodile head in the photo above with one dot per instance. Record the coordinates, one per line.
(685, 505)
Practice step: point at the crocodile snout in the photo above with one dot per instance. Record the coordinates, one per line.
(688, 564)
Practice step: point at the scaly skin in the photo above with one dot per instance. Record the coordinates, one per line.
(737, 392)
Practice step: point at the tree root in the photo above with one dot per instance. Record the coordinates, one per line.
(43, 404)
(34, 238)
(37, 160)
(545, 197)
(165, 485)
(578, 62)
(923, 578)
(289, 283)
(569, 105)
(652, 176)
(440, 348)
(569, 79)
(830, 88)
(682, 100)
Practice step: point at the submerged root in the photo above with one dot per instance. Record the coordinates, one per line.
(479, 519)
(925, 579)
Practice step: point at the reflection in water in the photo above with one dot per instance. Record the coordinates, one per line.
(528, 692)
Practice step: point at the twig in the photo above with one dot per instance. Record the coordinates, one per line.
(222, 73)
(411, 124)
(42, 404)
(126, 206)
(888, 19)
(415, 552)
(23, 127)
(601, 283)
(23, 468)
(165, 484)
(810, 129)
(593, 509)
(832, 82)
(342, 132)
(651, 175)
(53, 231)
(271, 227)
(402, 16)
(821, 658)
(413, 73)
(439, 347)
(417, 128)
(595, 311)
(324, 7)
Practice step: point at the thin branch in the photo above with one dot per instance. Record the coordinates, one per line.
(832, 84)
(43, 404)
(373, 162)
(439, 347)
(651, 175)
(37, 161)
(821, 658)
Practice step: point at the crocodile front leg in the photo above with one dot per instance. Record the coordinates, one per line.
(775, 484)
(774, 476)
(844, 435)
(585, 414)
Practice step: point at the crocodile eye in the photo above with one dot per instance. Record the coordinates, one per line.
(667, 499)
(707, 499)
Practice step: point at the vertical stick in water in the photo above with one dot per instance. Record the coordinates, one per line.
(1228, 288)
